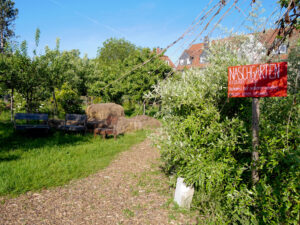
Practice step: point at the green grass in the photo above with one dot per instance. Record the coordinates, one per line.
(128, 213)
(35, 162)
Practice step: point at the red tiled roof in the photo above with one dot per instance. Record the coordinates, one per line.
(269, 36)
(165, 58)
(196, 50)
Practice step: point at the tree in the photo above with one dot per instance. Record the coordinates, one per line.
(58, 68)
(141, 80)
(288, 23)
(115, 51)
(8, 15)
(118, 57)
(8, 76)
(84, 67)
(31, 84)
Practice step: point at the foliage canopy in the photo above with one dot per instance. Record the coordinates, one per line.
(205, 139)
(116, 58)
(8, 14)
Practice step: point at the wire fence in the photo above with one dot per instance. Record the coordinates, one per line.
(204, 25)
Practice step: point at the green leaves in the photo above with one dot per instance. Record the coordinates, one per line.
(207, 141)
(68, 99)
(36, 79)
(115, 51)
(8, 15)
(116, 61)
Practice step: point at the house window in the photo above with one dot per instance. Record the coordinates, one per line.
(202, 59)
(188, 61)
(181, 62)
(167, 62)
(282, 49)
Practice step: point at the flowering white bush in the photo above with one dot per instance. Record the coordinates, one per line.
(205, 139)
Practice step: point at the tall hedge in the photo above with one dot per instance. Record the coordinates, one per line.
(206, 139)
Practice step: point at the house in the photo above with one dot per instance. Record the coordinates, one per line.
(165, 58)
(196, 55)
(282, 51)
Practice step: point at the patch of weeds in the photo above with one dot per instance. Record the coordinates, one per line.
(147, 179)
(142, 180)
(172, 181)
(152, 202)
(139, 207)
(181, 210)
(175, 206)
(172, 217)
(134, 192)
(166, 205)
(141, 183)
(132, 175)
(128, 213)
(2, 202)
(163, 191)
(154, 165)
(175, 210)
(101, 195)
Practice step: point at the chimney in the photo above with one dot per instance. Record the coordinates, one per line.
(206, 42)
(158, 50)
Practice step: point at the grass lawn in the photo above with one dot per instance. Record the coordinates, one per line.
(35, 162)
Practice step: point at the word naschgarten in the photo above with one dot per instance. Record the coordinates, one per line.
(254, 72)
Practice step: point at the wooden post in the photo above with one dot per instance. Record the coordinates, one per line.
(12, 105)
(55, 103)
(255, 139)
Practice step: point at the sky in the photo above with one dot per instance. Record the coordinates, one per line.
(86, 24)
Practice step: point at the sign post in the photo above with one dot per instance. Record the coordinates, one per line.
(255, 139)
(255, 81)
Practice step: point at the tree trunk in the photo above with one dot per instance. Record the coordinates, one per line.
(12, 105)
(2, 42)
(27, 102)
(1, 37)
(255, 139)
(55, 102)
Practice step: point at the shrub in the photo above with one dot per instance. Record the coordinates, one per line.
(2, 106)
(68, 100)
(206, 140)
(19, 103)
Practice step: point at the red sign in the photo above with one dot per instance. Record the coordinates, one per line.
(260, 80)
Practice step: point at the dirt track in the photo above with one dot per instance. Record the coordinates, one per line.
(131, 190)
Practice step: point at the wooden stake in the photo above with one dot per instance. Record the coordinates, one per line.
(255, 139)
(12, 105)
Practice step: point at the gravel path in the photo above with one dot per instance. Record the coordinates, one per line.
(131, 190)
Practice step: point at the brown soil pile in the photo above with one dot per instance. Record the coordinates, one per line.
(147, 121)
(125, 125)
(103, 110)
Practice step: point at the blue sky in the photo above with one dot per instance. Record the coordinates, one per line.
(86, 24)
